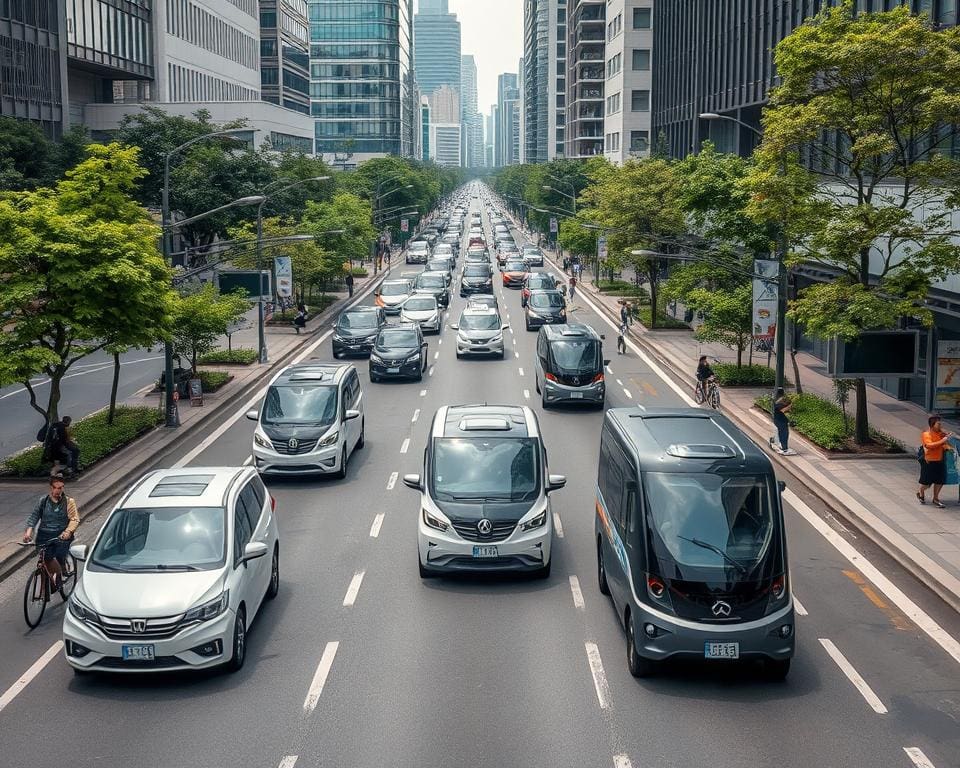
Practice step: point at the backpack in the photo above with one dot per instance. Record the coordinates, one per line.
(42, 433)
(920, 455)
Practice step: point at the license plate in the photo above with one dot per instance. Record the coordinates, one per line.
(137, 653)
(721, 650)
(576, 395)
(393, 370)
(485, 552)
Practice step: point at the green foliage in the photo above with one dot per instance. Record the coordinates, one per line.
(664, 320)
(211, 381)
(359, 272)
(239, 356)
(624, 288)
(201, 318)
(25, 155)
(344, 211)
(315, 306)
(730, 375)
(95, 438)
(577, 239)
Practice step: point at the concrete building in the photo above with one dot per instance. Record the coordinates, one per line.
(424, 125)
(545, 77)
(445, 141)
(586, 39)
(472, 131)
(285, 54)
(490, 138)
(628, 85)
(507, 129)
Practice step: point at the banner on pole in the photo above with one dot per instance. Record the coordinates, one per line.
(404, 225)
(283, 269)
(765, 298)
(602, 248)
(554, 228)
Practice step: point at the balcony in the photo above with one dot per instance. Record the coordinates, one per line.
(590, 94)
(590, 73)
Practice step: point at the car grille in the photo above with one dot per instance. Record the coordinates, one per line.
(580, 380)
(501, 530)
(159, 628)
(303, 446)
(160, 662)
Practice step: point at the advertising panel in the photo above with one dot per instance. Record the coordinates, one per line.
(765, 299)
(283, 269)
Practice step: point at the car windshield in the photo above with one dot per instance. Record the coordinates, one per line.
(357, 321)
(420, 245)
(516, 266)
(398, 338)
(710, 520)
(394, 289)
(484, 322)
(162, 539)
(420, 304)
(438, 266)
(544, 300)
(430, 281)
(300, 404)
(540, 281)
(485, 468)
(477, 270)
(576, 355)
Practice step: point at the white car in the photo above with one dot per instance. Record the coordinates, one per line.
(392, 293)
(422, 310)
(176, 575)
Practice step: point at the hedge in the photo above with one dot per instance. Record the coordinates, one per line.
(728, 375)
(95, 438)
(623, 288)
(211, 381)
(663, 320)
(359, 272)
(239, 356)
(316, 306)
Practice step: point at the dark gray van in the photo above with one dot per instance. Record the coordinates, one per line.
(569, 365)
(690, 540)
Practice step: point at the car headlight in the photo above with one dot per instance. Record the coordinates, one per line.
(495, 339)
(337, 336)
(82, 612)
(434, 522)
(209, 610)
(414, 358)
(377, 359)
(535, 522)
(330, 439)
(261, 441)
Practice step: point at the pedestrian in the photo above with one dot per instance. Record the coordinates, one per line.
(55, 516)
(573, 286)
(621, 339)
(781, 407)
(300, 321)
(301, 307)
(349, 282)
(624, 313)
(60, 447)
(933, 469)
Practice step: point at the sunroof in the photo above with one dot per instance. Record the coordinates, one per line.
(181, 485)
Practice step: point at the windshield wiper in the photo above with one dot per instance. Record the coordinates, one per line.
(162, 567)
(714, 548)
(108, 567)
(501, 497)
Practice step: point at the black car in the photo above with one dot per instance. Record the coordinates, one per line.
(399, 352)
(434, 284)
(537, 281)
(545, 308)
(477, 278)
(356, 330)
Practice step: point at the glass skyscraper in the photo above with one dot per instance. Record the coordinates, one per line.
(362, 86)
(437, 35)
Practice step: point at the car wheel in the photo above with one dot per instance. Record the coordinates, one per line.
(374, 379)
(363, 435)
(638, 666)
(239, 654)
(341, 473)
(601, 571)
(536, 383)
(425, 573)
(274, 587)
(543, 401)
(776, 669)
(543, 573)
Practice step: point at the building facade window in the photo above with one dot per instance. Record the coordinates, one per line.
(642, 18)
(639, 141)
(640, 101)
(641, 59)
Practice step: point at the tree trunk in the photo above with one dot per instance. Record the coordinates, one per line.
(750, 353)
(796, 372)
(53, 402)
(862, 429)
(739, 356)
(113, 388)
(652, 275)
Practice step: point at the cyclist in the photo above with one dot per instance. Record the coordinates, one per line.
(705, 375)
(55, 517)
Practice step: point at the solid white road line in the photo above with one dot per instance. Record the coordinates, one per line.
(423, 393)
(521, 371)
(247, 461)
(392, 481)
(405, 446)
(351, 597)
(91, 368)
(798, 607)
(289, 761)
(558, 524)
(854, 677)
(526, 394)
(320, 677)
(621, 761)
(13, 691)
(575, 591)
(627, 393)
(599, 676)
(375, 528)
(919, 759)
(416, 415)
(909, 608)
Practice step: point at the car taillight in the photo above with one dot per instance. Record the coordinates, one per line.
(273, 504)
(598, 377)
(656, 586)
(550, 377)
(777, 587)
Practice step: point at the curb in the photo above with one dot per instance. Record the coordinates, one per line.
(107, 495)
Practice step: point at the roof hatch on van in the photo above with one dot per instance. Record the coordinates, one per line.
(700, 451)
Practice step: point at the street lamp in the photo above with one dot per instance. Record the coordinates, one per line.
(378, 197)
(781, 340)
(571, 197)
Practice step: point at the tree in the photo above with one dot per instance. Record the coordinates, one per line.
(81, 270)
(349, 213)
(870, 98)
(201, 317)
(25, 154)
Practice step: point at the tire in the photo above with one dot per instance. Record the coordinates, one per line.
(638, 666)
(459, 356)
(543, 573)
(341, 473)
(698, 395)
(715, 398)
(527, 325)
(363, 435)
(602, 583)
(274, 586)
(776, 670)
(239, 642)
(68, 578)
(374, 379)
(536, 383)
(33, 609)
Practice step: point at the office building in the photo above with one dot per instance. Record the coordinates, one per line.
(436, 46)
(627, 88)
(362, 86)
(586, 46)
(472, 131)
(507, 128)
(544, 84)
(424, 126)
(490, 138)
(285, 54)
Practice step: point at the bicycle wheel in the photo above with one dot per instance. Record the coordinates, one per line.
(68, 577)
(715, 398)
(698, 395)
(35, 598)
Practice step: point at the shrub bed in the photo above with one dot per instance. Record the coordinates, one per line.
(211, 381)
(623, 288)
(664, 321)
(240, 356)
(95, 438)
(821, 422)
(315, 306)
(728, 375)
(359, 272)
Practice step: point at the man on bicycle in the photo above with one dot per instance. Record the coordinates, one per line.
(704, 375)
(55, 517)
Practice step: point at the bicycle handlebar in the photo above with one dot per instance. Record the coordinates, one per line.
(45, 544)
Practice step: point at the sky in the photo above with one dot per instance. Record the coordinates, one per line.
(492, 30)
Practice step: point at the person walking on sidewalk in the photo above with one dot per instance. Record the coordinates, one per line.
(300, 321)
(781, 407)
(933, 468)
(349, 282)
(55, 516)
(573, 286)
(625, 318)
(622, 340)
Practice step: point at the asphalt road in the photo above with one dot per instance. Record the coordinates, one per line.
(489, 672)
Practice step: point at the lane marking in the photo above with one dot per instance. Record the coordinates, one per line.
(423, 393)
(521, 371)
(627, 393)
(893, 593)
(558, 524)
(649, 388)
(526, 394)
(619, 383)
(320, 676)
(610, 370)
(854, 677)
(392, 481)
(577, 594)
(599, 676)
(91, 368)
(514, 341)
(375, 528)
(621, 761)
(798, 607)
(416, 415)
(351, 597)
(405, 445)
(436, 355)
(516, 355)
(898, 621)
(289, 761)
(919, 759)
(432, 368)
(14, 690)
(440, 340)
(247, 461)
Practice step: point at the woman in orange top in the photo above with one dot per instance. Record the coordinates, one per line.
(933, 469)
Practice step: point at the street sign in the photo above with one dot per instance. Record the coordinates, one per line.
(283, 268)
(245, 280)
(602, 248)
(554, 227)
(404, 225)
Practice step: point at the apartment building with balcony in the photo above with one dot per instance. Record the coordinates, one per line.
(586, 47)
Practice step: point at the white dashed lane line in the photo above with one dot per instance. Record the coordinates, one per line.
(619, 383)
(853, 676)
(432, 369)
(405, 445)
(320, 677)
(516, 355)
(621, 761)
(423, 393)
(798, 607)
(354, 589)
(289, 761)
(436, 355)
(627, 393)
(416, 415)
(919, 759)
(599, 676)
(521, 371)
(558, 524)
(377, 524)
(526, 394)
(577, 594)
(392, 481)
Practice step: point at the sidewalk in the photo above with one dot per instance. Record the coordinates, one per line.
(100, 486)
(876, 495)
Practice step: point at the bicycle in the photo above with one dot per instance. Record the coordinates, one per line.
(711, 396)
(36, 595)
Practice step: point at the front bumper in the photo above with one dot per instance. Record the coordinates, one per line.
(175, 653)
(467, 290)
(322, 461)
(389, 370)
(479, 347)
(352, 346)
(535, 321)
(560, 393)
(447, 552)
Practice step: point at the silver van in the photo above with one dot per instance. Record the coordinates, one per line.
(690, 540)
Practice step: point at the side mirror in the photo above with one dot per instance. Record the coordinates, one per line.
(606, 362)
(603, 337)
(351, 414)
(79, 551)
(556, 482)
(781, 485)
(413, 481)
(505, 327)
(455, 326)
(254, 550)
